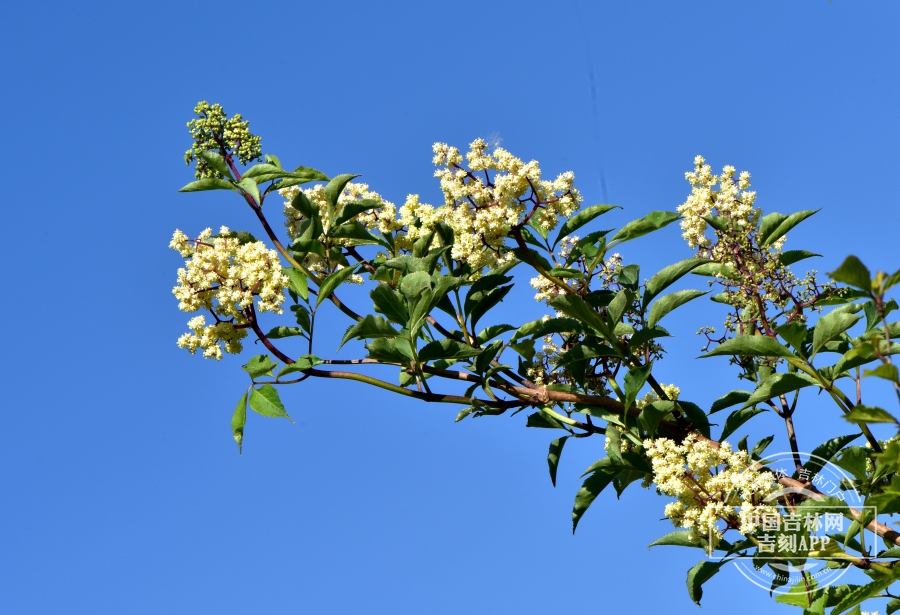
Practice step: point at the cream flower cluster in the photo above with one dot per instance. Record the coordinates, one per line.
(711, 485)
(481, 210)
(732, 200)
(671, 391)
(224, 276)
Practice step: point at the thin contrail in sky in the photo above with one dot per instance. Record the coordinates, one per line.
(594, 112)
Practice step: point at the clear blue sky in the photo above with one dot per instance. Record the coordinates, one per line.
(122, 490)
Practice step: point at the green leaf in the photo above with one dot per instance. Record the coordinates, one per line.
(368, 328)
(893, 606)
(634, 381)
(779, 231)
(238, 420)
(540, 327)
(832, 325)
(760, 446)
(667, 303)
(779, 384)
(446, 349)
(853, 273)
(243, 237)
(217, 163)
(333, 190)
(556, 448)
(789, 257)
(357, 231)
(668, 276)
(265, 401)
(794, 333)
(714, 269)
(491, 332)
(618, 306)
(826, 451)
(301, 314)
(750, 346)
(738, 418)
(869, 414)
(249, 186)
(302, 204)
(698, 575)
(651, 222)
(591, 488)
(580, 219)
(332, 282)
(298, 280)
(732, 398)
(489, 300)
(302, 363)
(209, 183)
(888, 371)
(282, 332)
(683, 538)
(542, 421)
(260, 365)
(390, 303)
(354, 208)
(586, 350)
(863, 593)
(578, 308)
(646, 334)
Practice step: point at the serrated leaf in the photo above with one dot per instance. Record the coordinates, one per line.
(698, 575)
(238, 420)
(683, 538)
(578, 308)
(665, 304)
(369, 327)
(302, 363)
(779, 231)
(540, 327)
(446, 349)
(853, 273)
(830, 326)
(390, 303)
(556, 448)
(330, 284)
(826, 451)
(738, 418)
(750, 346)
(863, 593)
(668, 276)
(732, 398)
(580, 219)
(282, 332)
(651, 222)
(779, 384)
(634, 381)
(789, 257)
(260, 365)
(354, 208)
(888, 371)
(208, 183)
(869, 414)
(298, 282)
(217, 163)
(265, 401)
(333, 190)
(591, 488)
(249, 186)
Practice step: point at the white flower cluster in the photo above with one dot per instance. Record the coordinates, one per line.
(481, 209)
(732, 200)
(707, 492)
(223, 276)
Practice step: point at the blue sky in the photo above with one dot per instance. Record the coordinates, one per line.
(122, 490)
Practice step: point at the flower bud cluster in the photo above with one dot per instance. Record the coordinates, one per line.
(223, 276)
(214, 130)
(712, 485)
